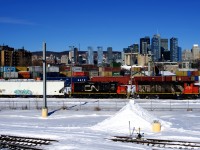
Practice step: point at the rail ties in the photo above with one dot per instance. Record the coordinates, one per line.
(159, 142)
(23, 143)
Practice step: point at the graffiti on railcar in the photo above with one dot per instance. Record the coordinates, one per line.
(23, 92)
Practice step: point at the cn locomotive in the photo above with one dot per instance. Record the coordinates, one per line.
(98, 90)
(166, 87)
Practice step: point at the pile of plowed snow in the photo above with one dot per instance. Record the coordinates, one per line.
(131, 113)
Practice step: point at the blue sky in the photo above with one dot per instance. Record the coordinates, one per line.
(115, 23)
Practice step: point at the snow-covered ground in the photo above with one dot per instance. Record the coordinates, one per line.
(91, 129)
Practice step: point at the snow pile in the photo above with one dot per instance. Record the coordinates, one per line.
(133, 113)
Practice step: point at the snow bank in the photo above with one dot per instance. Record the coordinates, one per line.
(133, 113)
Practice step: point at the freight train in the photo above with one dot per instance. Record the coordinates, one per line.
(171, 87)
(164, 87)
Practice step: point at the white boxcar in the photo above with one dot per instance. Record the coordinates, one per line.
(31, 88)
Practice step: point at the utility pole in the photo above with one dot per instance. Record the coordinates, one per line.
(44, 108)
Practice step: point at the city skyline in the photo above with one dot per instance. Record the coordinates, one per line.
(105, 23)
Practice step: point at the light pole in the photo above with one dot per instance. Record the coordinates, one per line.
(131, 71)
(44, 108)
(72, 48)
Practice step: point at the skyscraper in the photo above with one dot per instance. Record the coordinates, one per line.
(100, 55)
(164, 44)
(179, 54)
(144, 45)
(155, 47)
(109, 55)
(174, 49)
(75, 55)
(90, 55)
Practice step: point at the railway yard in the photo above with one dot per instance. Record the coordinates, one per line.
(83, 126)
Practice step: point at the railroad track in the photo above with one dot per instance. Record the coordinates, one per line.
(9, 142)
(159, 143)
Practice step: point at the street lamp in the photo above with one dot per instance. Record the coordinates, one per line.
(72, 48)
(44, 108)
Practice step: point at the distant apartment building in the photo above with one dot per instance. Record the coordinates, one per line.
(15, 57)
(6, 55)
(195, 51)
(64, 59)
(187, 55)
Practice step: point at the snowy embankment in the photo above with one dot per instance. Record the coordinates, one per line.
(133, 113)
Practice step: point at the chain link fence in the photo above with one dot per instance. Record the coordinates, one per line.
(96, 104)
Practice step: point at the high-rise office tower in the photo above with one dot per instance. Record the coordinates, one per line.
(109, 55)
(164, 44)
(90, 55)
(100, 54)
(165, 53)
(144, 45)
(75, 55)
(179, 54)
(155, 47)
(174, 49)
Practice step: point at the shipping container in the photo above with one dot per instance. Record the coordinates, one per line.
(103, 69)
(24, 75)
(189, 73)
(93, 73)
(10, 75)
(67, 68)
(115, 73)
(1, 69)
(21, 69)
(182, 73)
(35, 69)
(121, 79)
(52, 69)
(105, 73)
(89, 68)
(76, 69)
(9, 69)
(194, 73)
(83, 73)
